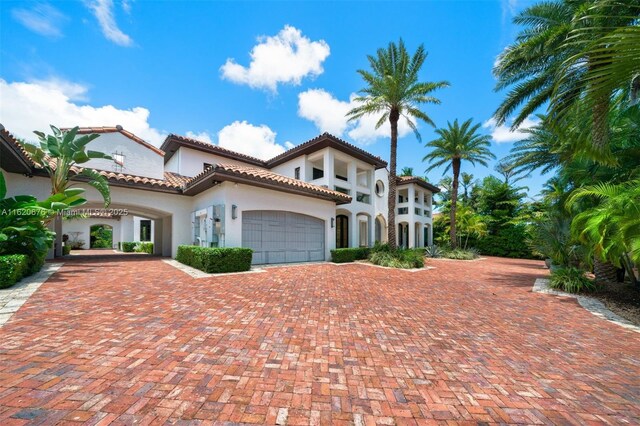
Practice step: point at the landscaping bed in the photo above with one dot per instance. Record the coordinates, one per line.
(620, 298)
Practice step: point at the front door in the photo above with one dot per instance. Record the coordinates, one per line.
(342, 231)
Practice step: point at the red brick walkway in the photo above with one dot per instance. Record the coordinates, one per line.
(127, 341)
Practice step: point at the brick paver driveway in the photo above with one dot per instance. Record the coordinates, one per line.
(136, 340)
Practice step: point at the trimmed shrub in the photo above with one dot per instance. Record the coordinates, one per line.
(144, 247)
(128, 247)
(345, 255)
(402, 259)
(571, 280)
(215, 259)
(508, 241)
(66, 249)
(460, 254)
(12, 268)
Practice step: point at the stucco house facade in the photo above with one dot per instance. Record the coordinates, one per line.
(296, 207)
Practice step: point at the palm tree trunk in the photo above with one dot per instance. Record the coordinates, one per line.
(600, 135)
(454, 202)
(394, 116)
(604, 271)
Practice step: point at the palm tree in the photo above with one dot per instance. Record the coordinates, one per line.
(467, 184)
(612, 228)
(406, 171)
(455, 144)
(60, 153)
(550, 58)
(393, 90)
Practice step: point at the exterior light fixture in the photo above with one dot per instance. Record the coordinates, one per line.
(333, 220)
(234, 211)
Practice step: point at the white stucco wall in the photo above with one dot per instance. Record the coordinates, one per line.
(252, 198)
(190, 162)
(138, 159)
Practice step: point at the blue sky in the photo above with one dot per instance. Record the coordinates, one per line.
(253, 76)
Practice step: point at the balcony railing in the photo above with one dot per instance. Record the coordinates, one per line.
(417, 211)
(403, 210)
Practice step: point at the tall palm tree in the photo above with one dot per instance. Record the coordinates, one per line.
(393, 90)
(457, 143)
(551, 56)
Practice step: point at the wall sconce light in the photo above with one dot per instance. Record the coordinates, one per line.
(234, 211)
(333, 220)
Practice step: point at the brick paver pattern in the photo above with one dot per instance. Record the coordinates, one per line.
(138, 341)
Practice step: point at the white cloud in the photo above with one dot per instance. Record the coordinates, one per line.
(42, 18)
(126, 6)
(257, 141)
(503, 132)
(104, 13)
(287, 57)
(35, 105)
(202, 136)
(329, 115)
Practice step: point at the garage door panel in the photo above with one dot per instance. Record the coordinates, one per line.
(283, 237)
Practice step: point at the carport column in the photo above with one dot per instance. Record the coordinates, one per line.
(431, 234)
(167, 237)
(57, 227)
(126, 228)
(372, 230)
(157, 236)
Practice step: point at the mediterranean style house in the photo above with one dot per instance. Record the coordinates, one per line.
(322, 194)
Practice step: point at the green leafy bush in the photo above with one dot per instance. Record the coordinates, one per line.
(215, 259)
(507, 241)
(345, 255)
(402, 259)
(12, 268)
(460, 254)
(128, 247)
(144, 247)
(66, 249)
(571, 280)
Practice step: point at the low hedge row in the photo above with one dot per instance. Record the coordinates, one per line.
(215, 259)
(345, 255)
(128, 247)
(144, 248)
(13, 267)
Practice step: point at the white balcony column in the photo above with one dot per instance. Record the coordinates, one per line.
(431, 234)
(412, 196)
(352, 176)
(329, 172)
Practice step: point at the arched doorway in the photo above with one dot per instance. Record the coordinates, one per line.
(342, 231)
(101, 236)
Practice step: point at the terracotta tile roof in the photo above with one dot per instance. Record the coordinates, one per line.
(257, 175)
(173, 140)
(119, 129)
(323, 140)
(405, 180)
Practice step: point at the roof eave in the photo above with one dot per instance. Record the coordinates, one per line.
(214, 176)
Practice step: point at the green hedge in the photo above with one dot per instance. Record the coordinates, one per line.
(215, 259)
(12, 268)
(345, 255)
(66, 249)
(508, 241)
(128, 247)
(143, 247)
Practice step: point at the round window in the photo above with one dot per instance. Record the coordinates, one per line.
(379, 188)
